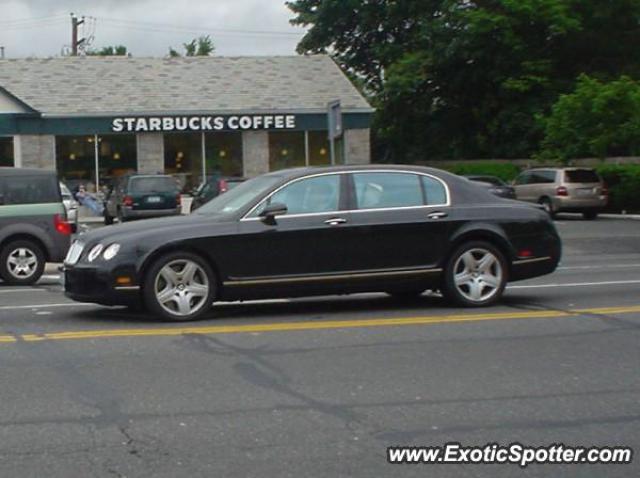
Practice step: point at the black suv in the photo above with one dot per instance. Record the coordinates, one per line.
(141, 196)
(33, 224)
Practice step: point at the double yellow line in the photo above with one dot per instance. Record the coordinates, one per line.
(312, 325)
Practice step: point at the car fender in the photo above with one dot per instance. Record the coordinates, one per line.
(25, 229)
(482, 230)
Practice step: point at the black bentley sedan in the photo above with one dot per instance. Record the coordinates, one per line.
(301, 232)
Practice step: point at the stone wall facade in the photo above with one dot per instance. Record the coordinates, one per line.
(255, 153)
(34, 151)
(357, 145)
(150, 149)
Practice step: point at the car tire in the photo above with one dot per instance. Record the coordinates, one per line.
(21, 262)
(121, 218)
(470, 282)
(108, 218)
(406, 294)
(179, 287)
(548, 206)
(590, 215)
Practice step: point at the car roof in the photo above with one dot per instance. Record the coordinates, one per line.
(305, 171)
(7, 171)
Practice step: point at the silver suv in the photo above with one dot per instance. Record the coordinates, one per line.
(563, 189)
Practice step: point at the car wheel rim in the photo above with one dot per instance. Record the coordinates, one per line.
(182, 287)
(478, 275)
(22, 263)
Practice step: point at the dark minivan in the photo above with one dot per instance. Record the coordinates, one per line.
(142, 196)
(33, 224)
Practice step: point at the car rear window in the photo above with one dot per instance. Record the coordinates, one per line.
(581, 176)
(29, 189)
(152, 184)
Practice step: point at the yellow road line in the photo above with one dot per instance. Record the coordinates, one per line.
(315, 325)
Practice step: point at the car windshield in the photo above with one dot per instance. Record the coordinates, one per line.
(581, 176)
(235, 199)
(152, 184)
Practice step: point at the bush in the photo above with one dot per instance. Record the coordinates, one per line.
(505, 171)
(624, 186)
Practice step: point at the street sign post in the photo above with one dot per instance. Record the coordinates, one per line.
(334, 126)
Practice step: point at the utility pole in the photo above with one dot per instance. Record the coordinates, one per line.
(75, 42)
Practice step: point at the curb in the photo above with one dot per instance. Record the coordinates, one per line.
(635, 217)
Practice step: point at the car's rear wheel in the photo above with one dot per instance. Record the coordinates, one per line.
(121, 217)
(179, 287)
(476, 275)
(21, 262)
(590, 215)
(108, 218)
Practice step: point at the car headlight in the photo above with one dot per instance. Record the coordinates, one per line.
(94, 252)
(111, 251)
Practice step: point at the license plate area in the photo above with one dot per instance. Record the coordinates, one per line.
(154, 199)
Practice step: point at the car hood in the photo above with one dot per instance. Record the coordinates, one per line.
(159, 230)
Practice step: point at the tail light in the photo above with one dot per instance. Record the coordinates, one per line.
(127, 201)
(62, 226)
(223, 187)
(605, 190)
(178, 199)
(562, 191)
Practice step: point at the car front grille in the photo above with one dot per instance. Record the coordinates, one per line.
(75, 251)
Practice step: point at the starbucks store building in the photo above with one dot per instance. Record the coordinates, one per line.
(95, 118)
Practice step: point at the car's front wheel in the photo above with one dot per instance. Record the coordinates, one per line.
(21, 262)
(179, 287)
(476, 275)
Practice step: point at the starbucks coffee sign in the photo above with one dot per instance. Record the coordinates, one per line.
(202, 123)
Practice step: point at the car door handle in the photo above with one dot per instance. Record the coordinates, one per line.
(335, 221)
(437, 215)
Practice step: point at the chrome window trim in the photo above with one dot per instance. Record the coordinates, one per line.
(345, 211)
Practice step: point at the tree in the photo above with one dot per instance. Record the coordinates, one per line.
(468, 78)
(597, 119)
(201, 46)
(117, 50)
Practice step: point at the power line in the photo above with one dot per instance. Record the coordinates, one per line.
(165, 27)
(24, 21)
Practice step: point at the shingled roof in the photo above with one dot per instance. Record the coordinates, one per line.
(120, 85)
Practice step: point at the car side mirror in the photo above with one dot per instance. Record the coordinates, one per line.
(269, 213)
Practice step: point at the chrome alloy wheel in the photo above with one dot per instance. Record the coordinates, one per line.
(478, 275)
(181, 287)
(22, 263)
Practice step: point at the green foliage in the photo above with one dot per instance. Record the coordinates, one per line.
(469, 78)
(597, 119)
(504, 171)
(117, 50)
(201, 46)
(624, 186)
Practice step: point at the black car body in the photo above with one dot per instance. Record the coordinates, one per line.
(398, 229)
(495, 185)
(213, 187)
(141, 196)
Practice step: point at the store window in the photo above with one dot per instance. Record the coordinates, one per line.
(6, 151)
(223, 153)
(286, 150)
(319, 149)
(76, 159)
(183, 158)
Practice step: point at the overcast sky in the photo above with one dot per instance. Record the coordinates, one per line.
(42, 28)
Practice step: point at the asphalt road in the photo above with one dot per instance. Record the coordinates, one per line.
(321, 387)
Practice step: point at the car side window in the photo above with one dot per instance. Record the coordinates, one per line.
(307, 196)
(384, 190)
(523, 179)
(434, 191)
(31, 190)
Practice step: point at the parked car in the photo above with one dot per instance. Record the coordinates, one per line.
(212, 187)
(495, 185)
(140, 196)
(70, 204)
(563, 190)
(33, 224)
(312, 231)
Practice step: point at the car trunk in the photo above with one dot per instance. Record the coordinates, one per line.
(583, 183)
(151, 193)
